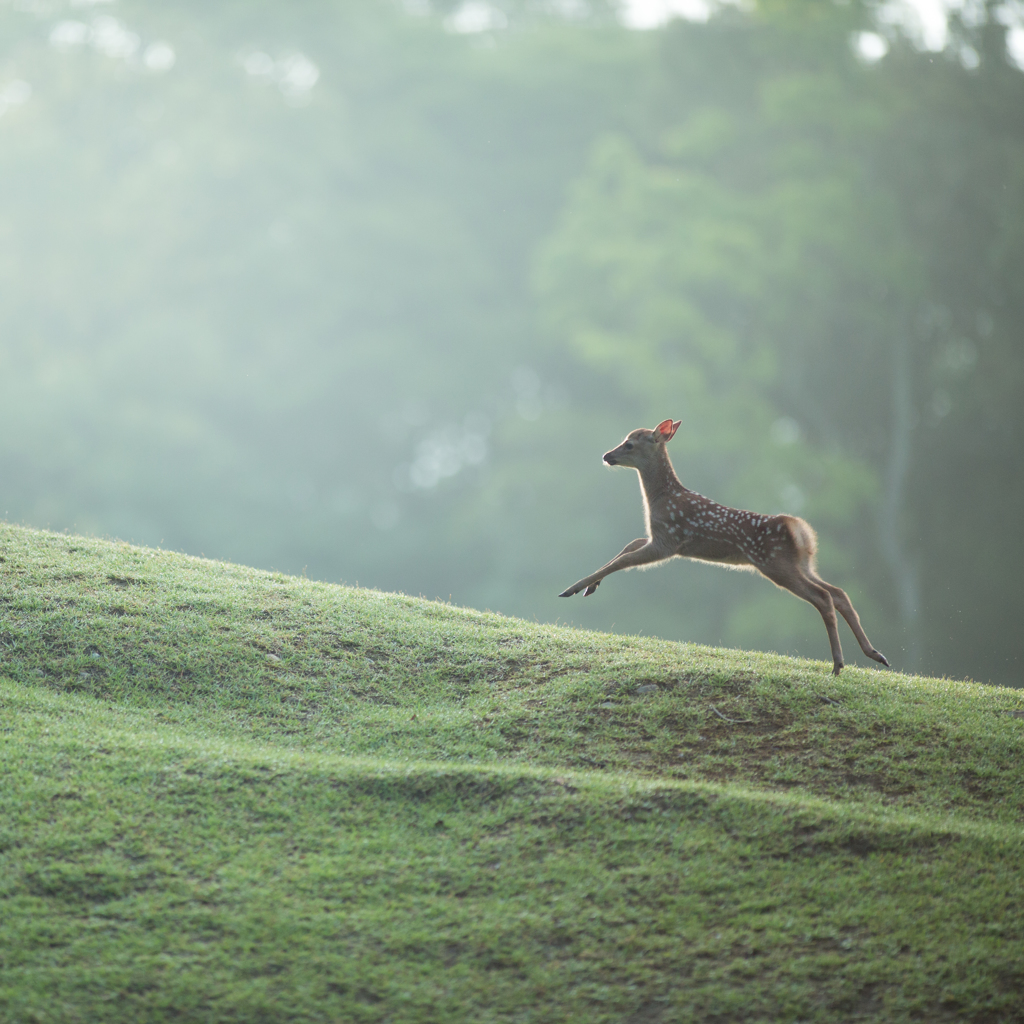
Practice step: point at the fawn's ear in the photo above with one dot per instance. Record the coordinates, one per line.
(667, 429)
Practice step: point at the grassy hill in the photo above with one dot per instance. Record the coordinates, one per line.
(232, 795)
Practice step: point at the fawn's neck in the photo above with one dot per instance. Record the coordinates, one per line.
(658, 477)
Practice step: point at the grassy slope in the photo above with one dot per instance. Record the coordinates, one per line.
(234, 795)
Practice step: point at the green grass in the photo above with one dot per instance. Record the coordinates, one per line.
(232, 795)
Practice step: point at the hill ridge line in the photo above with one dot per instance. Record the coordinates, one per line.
(893, 676)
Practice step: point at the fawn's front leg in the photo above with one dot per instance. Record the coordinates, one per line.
(641, 551)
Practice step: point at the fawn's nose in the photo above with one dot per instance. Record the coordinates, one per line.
(609, 457)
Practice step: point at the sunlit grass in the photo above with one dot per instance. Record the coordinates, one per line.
(234, 795)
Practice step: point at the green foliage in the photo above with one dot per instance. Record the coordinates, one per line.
(234, 794)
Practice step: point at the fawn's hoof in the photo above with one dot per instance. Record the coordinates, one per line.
(837, 668)
(879, 656)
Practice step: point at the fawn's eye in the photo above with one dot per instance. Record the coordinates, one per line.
(628, 445)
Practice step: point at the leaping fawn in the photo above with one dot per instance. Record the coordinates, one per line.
(681, 523)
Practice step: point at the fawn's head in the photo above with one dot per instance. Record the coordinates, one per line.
(642, 446)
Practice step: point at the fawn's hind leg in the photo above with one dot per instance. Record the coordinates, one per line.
(796, 582)
(845, 608)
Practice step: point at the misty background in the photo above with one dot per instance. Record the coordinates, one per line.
(363, 290)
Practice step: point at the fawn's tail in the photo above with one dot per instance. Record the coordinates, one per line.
(806, 541)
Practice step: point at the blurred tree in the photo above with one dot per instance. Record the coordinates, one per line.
(238, 308)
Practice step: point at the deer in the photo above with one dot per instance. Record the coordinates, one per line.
(684, 524)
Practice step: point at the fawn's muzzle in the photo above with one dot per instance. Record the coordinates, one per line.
(609, 457)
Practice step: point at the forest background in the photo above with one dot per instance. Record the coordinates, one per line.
(364, 291)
